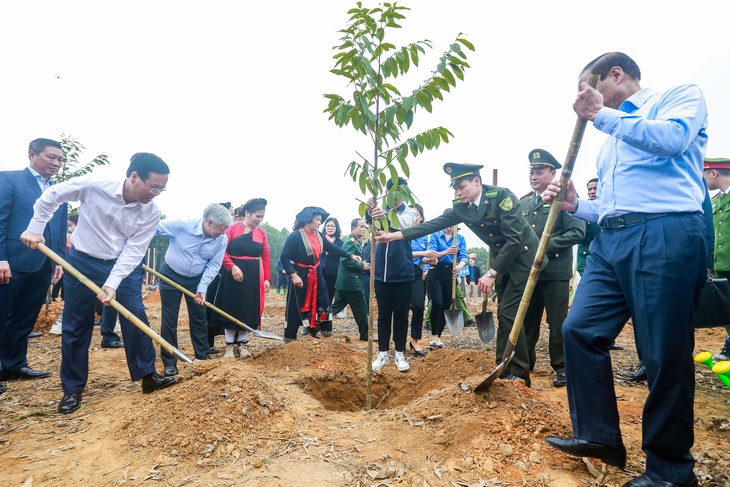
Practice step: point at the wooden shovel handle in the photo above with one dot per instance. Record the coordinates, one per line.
(114, 303)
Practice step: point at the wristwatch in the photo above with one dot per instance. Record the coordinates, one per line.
(491, 273)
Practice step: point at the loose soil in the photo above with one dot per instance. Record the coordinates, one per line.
(295, 414)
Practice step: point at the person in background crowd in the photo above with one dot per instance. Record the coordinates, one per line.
(247, 278)
(117, 221)
(192, 260)
(72, 221)
(552, 290)
(332, 232)
(26, 274)
(307, 302)
(472, 279)
(440, 277)
(423, 258)
(282, 280)
(349, 279)
(650, 190)
(717, 175)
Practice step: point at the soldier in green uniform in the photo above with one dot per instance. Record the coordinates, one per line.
(348, 287)
(592, 231)
(552, 290)
(717, 176)
(493, 214)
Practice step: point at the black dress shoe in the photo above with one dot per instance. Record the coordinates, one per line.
(69, 403)
(637, 375)
(515, 377)
(24, 373)
(646, 481)
(154, 382)
(419, 353)
(114, 344)
(559, 380)
(613, 346)
(213, 351)
(34, 334)
(583, 448)
(3, 388)
(170, 370)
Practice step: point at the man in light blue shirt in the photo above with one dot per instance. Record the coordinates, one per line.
(193, 259)
(647, 265)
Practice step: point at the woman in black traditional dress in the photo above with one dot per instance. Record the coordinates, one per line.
(246, 278)
(307, 301)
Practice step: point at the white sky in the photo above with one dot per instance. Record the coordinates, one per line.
(229, 94)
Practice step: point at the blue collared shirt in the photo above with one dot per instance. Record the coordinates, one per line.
(191, 253)
(652, 163)
(420, 244)
(437, 241)
(42, 183)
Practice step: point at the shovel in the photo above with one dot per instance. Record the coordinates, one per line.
(454, 316)
(258, 333)
(485, 322)
(114, 304)
(509, 349)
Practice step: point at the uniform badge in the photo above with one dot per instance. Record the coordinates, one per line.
(491, 194)
(506, 204)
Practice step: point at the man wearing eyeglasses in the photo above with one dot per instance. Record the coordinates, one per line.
(116, 224)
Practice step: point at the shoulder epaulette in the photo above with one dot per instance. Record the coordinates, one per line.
(457, 202)
(528, 194)
(491, 194)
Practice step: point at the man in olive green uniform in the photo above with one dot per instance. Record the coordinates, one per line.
(552, 290)
(493, 214)
(717, 176)
(348, 287)
(592, 231)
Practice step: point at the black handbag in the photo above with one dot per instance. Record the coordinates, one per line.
(713, 307)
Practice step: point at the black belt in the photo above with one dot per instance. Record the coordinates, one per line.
(621, 221)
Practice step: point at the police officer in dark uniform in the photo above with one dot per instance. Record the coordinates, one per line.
(494, 215)
(552, 290)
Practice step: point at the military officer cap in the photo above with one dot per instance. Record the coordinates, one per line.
(457, 171)
(716, 163)
(542, 158)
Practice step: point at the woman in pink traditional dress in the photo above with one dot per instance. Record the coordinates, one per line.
(246, 277)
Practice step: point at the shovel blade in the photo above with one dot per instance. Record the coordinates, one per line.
(485, 326)
(454, 321)
(484, 385)
(266, 334)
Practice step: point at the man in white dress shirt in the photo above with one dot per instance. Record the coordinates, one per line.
(116, 224)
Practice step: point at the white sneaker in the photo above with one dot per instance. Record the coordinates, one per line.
(342, 314)
(401, 363)
(56, 328)
(380, 361)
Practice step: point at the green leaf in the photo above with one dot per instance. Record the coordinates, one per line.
(457, 71)
(468, 44)
(409, 118)
(449, 77)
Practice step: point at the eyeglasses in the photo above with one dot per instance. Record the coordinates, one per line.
(153, 189)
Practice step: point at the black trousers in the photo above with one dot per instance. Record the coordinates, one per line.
(551, 296)
(394, 300)
(171, 298)
(21, 301)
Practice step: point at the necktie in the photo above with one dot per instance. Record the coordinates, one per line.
(472, 211)
(538, 199)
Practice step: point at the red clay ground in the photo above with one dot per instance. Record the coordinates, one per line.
(295, 414)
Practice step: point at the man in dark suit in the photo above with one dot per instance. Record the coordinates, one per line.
(348, 287)
(552, 290)
(494, 215)
(26, 274)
